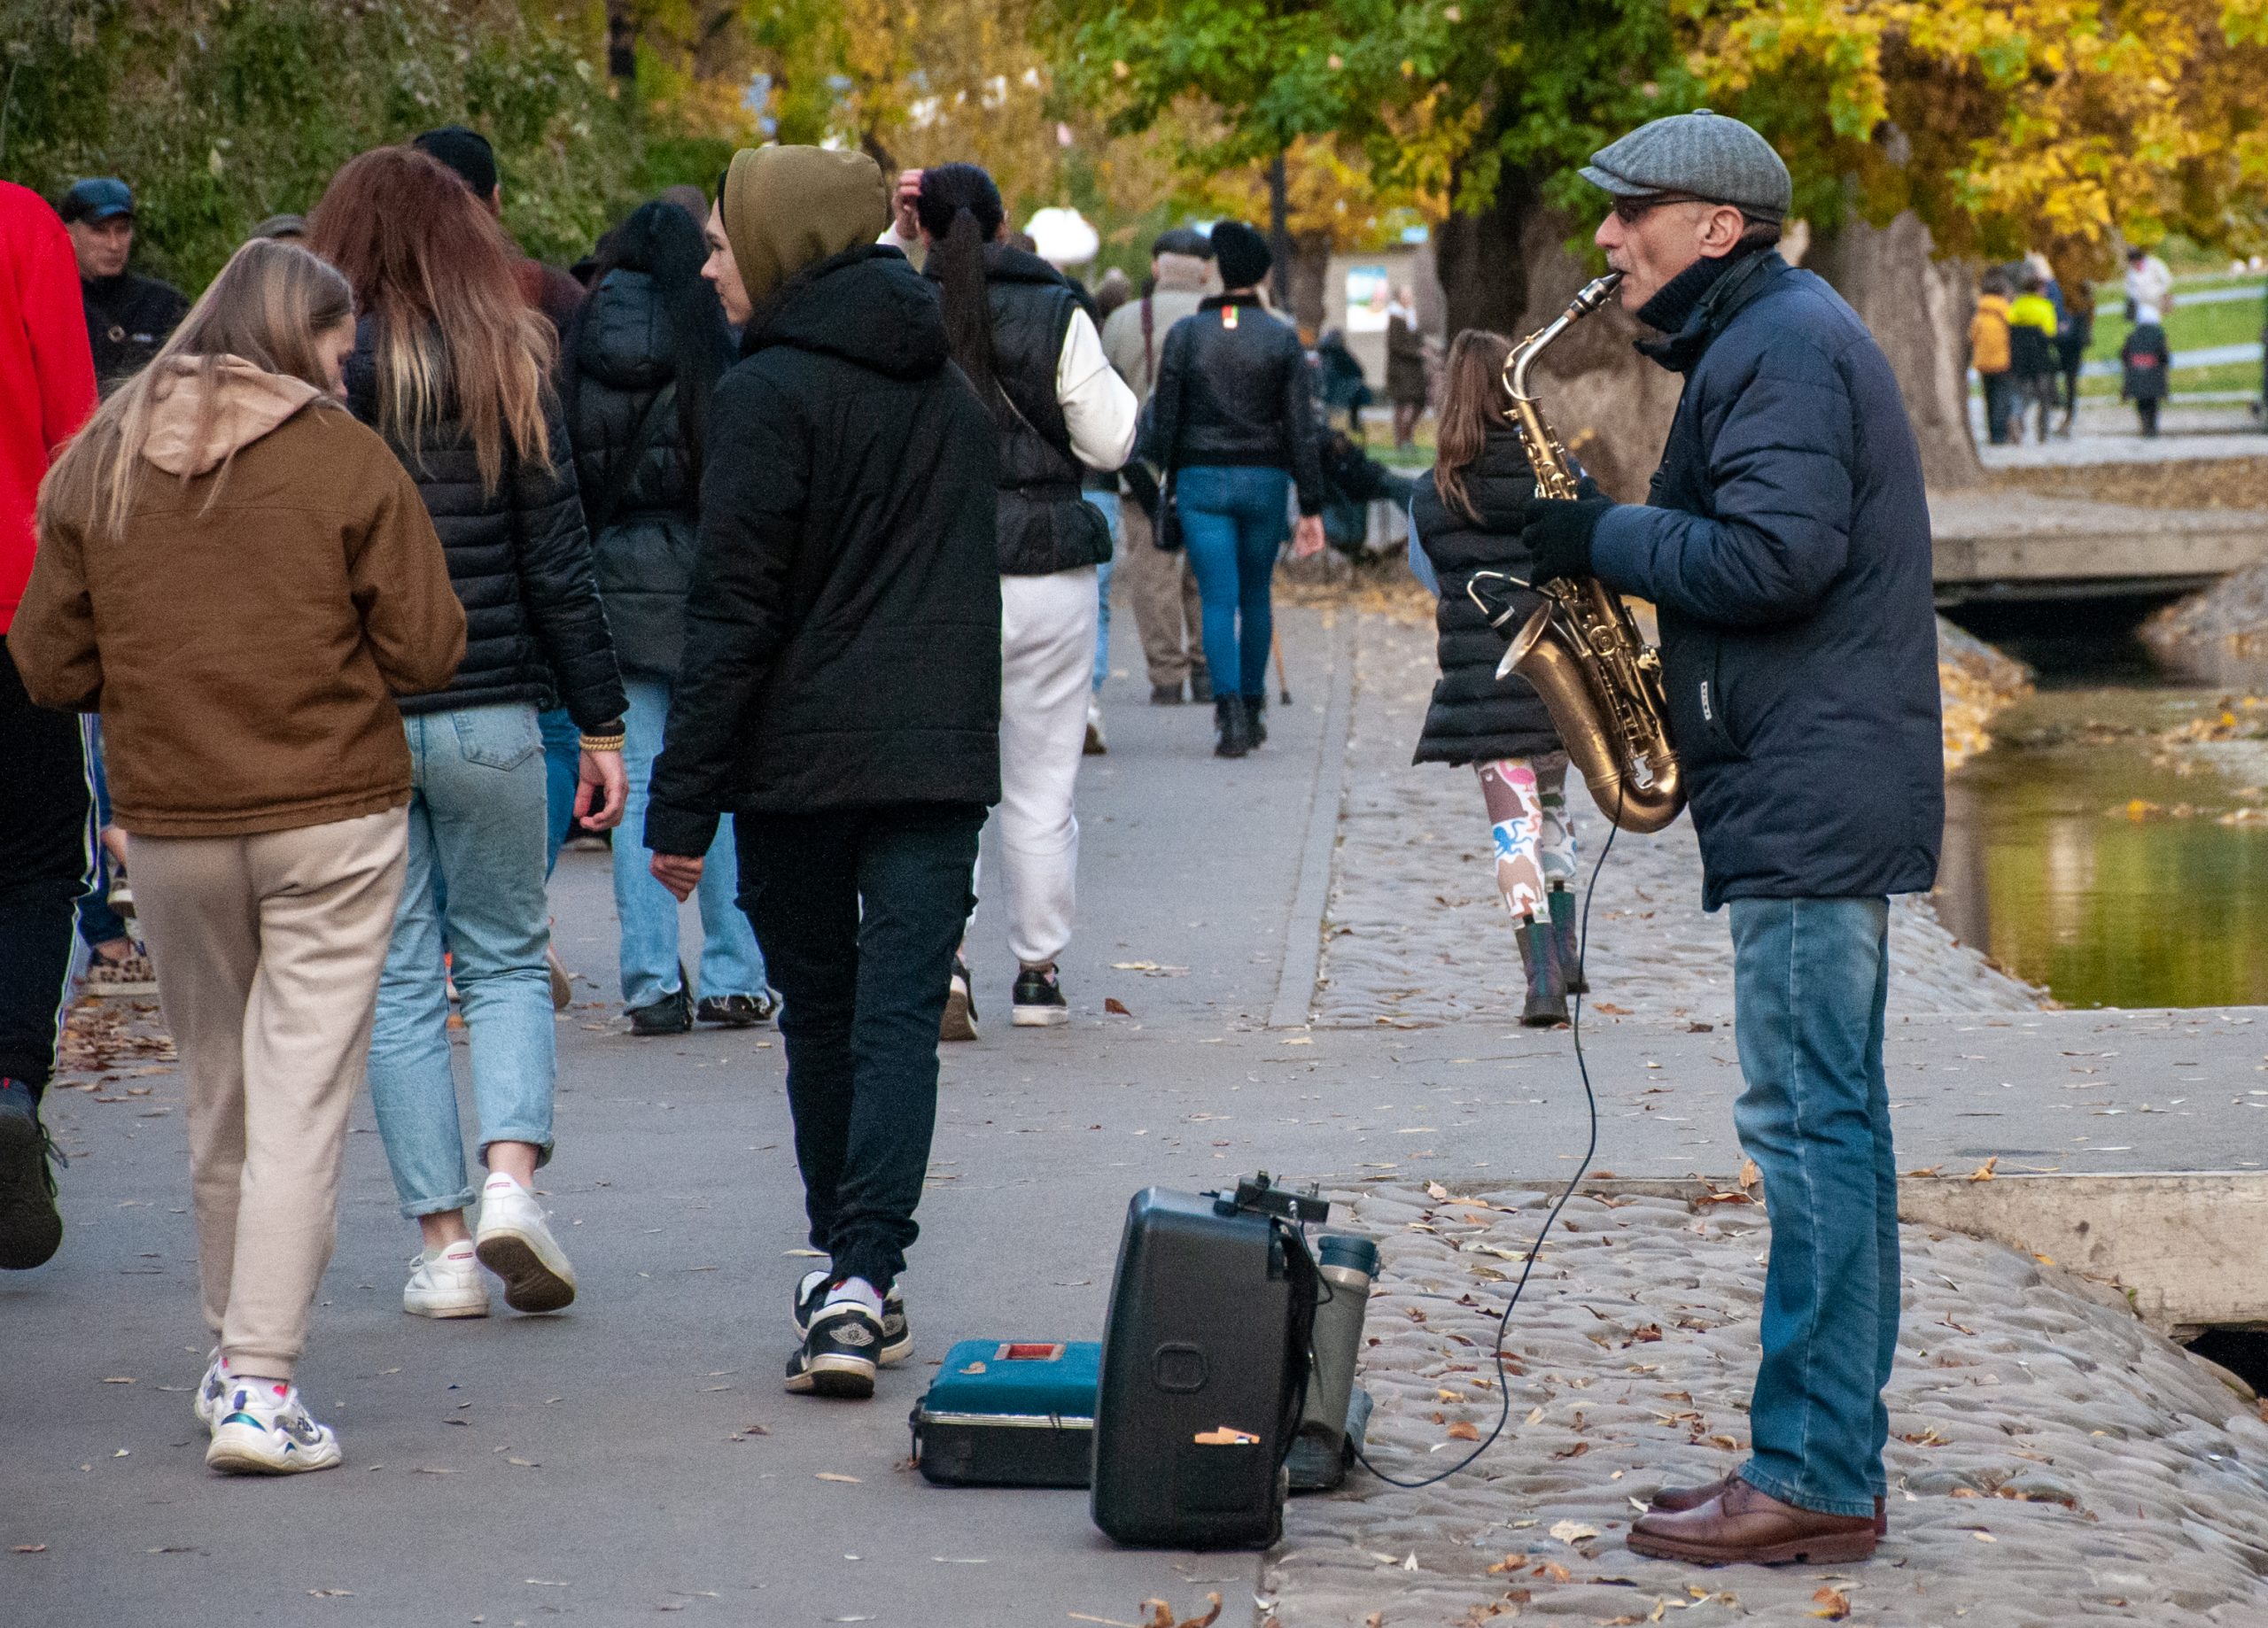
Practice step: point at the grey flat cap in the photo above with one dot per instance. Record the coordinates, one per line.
(1706, 154)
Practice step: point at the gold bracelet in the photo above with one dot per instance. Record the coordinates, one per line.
(602, 743)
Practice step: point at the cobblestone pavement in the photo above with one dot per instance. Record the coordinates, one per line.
(2051, 1459)
(1415, 934)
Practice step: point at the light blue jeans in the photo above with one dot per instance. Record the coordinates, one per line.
(1810, 978)
(477, 831)
(1107, 501)
(1234, 520)
(730, 962)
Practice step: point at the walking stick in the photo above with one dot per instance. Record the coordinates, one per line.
(1283, 686)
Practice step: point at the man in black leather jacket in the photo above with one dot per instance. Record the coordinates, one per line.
(128, 316)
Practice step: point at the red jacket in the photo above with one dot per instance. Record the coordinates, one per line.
(46, 373)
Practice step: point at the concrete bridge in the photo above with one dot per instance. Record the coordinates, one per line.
(2013, 546)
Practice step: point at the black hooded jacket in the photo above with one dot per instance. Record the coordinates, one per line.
(520, 561)
(842, 636)
(642, 553)
(1474, 717)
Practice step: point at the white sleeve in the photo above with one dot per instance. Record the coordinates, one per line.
(1100, 410)
(910, 247)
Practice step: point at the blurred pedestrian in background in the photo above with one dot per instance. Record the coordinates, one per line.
(1405, 365)
(643, 361)
(1989, 353)
(1020, 333)
(47, 389)
(1341, 384)
(1168, 612)
(2072, 339)
(2031, 355)
(1233, 425)
(2143, 361)
(258, 765)
(128, 316)
(2149, 284)
(454, 368)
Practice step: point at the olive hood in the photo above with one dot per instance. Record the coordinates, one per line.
(785, 208)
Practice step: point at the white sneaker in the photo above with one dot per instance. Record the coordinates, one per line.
(1096, 745)
(212, 1390)
(515, 1242)
(266, 1431)
(445, 1283)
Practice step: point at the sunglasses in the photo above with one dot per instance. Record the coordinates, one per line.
(1629, 211)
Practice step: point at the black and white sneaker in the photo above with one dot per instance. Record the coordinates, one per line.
(960, 1005)
(1038, 1000)
(839, 1352)
(898, 1334)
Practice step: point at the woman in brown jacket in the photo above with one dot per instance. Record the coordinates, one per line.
(240, 579)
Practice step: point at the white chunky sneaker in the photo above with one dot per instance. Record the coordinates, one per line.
(445, 1283)
(212, 1390)
(515, 1242)
(265, 1430)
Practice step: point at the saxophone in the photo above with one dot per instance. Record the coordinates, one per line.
(1599, 679)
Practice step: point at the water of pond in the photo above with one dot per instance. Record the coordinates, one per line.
(2086, 853)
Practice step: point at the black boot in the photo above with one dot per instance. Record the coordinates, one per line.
(1201, 686)
(1232, 728)
(1255, 712)
(1547, 989)
(1566, 929)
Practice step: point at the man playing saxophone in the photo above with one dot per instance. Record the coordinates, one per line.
(1785, 544)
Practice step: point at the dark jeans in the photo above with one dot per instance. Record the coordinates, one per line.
(2146, 406)
(44, 838)
(858, 912)
(98, 924)
(1234, 521)
(1809, 980)
(2000, 405)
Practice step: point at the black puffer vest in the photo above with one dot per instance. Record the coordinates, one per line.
(1046, 525)
(1473, 716)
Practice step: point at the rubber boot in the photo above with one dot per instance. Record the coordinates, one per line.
(1547, 989)
(1567, 929)
(1232, 729)
(1255, 712)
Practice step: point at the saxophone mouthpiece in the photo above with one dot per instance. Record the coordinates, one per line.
(1594, 294)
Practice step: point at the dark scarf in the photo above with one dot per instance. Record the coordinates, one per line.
(1692, 308)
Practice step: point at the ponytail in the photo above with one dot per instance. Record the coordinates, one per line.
(959, 208)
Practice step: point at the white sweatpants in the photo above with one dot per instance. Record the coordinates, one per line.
(1047, 652)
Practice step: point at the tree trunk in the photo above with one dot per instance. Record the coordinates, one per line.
(621, 44)
(1311, 271)
(1918, 310)
(1477, 257)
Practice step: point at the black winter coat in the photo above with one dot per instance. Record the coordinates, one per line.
(129, 317)
(642, 556)
(1234, 389)
(1045, 525)
(1473, 717)
(520, 561)
(843, 639)
(1786, 545)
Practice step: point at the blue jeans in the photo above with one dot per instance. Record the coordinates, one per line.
(730, 962)
(98, 924)
(563, 767)
(1233, 521)
(1809, 980)
(477, 809)
(1107, 501)
(859, 911)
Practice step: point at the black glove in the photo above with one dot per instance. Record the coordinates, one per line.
(1557, 533)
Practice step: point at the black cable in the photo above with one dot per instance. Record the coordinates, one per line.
(1590, 1149)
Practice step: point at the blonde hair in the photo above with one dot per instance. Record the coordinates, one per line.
(265, 307)
(1472, 400)
(451, 328)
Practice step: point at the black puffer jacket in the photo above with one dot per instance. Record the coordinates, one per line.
(1475, 719)
(1045, 525)
(842, 639)
(520, 561)
(643, 553)
(1234, 388)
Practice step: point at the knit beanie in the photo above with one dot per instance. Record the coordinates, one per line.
(1241, 253)
(785, 208)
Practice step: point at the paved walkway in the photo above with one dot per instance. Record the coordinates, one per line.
(637, 1455)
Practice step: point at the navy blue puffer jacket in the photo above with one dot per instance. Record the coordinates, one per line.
(1786, 544)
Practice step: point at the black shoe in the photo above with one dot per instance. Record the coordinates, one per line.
(735, 1011)
(1036, 1002)
(1546, 988)
(31, 1229)
(838, 1357)
(898, 1334)
(959, 1021)
(673, 1014)
(1256, 715)
(1567, 932)
(1201, 686)
(1231, 728)
(1165, 694)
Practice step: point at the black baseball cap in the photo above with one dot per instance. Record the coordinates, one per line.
(464, 150)
(100, 197)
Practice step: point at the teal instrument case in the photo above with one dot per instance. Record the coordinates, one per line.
(1010, 1412)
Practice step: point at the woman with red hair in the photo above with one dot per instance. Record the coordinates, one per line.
(452, 369)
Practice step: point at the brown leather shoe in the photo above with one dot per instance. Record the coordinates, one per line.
(1677, 1500)
(1741, 1525)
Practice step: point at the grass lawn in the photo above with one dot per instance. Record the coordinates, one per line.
(2243, 375)
(2187, 327)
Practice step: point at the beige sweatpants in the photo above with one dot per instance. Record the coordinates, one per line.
(1163, 590)
(268, 949)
